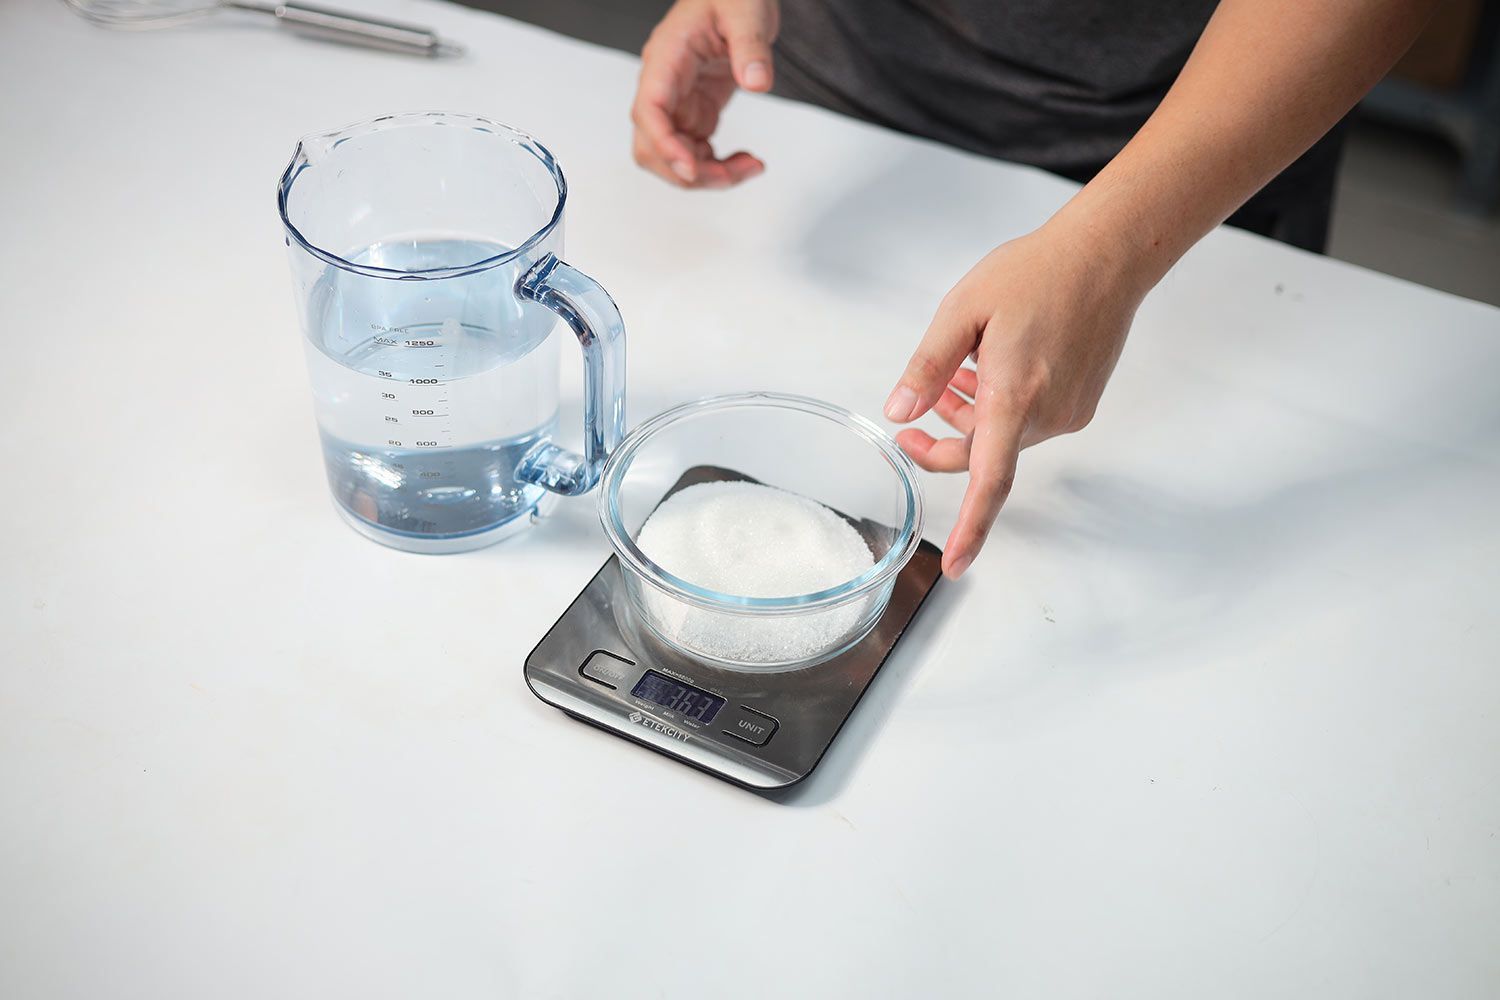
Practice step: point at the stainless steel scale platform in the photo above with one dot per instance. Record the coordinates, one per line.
(759, 729)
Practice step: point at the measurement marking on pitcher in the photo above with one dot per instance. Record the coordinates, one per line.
(379, 439)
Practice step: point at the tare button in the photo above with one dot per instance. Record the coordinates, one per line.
(755, 728)
(608, 669)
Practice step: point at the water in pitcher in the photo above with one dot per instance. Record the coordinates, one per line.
(430, 393)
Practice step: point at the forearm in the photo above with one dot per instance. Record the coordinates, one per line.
(1266, 81)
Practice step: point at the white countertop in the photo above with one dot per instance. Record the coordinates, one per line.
(1215, 714)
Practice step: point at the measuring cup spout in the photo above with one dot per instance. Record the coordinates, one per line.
(314, 148)
(426, 254)
(311, 150)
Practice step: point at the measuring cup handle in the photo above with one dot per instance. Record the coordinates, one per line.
(586, 307)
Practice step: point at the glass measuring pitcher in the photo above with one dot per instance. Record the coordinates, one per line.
(426, 257)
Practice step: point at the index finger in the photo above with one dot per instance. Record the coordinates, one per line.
(656, 124)
(999, 427)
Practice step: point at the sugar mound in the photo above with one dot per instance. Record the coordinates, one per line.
(751, 540)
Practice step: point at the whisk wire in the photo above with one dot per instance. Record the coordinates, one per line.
(138, 15)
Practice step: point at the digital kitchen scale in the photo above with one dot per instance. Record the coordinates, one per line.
(758, 729)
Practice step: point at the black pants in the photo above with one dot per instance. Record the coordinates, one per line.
(1294, 208)
(1297, 205)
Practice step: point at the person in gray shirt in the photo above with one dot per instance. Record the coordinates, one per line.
(1177, 115)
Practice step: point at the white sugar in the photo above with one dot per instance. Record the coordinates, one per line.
(753, 541)
(750, 540)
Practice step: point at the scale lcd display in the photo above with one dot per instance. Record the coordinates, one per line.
(689, 701)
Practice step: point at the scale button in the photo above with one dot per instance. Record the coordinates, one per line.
(608, 669)
(755, 728)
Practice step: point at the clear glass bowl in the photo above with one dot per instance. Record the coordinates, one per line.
(805, 446)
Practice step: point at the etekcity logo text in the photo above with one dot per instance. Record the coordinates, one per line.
(661, 727)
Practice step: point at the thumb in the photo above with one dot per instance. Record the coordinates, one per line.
(948, 340)
(749, 29)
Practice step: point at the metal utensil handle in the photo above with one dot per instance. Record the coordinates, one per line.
(343, 27)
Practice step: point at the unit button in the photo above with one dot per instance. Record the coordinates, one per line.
(608, 669)
(755, 728)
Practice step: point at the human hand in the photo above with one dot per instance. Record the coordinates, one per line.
(1045, 317)
(690, 67)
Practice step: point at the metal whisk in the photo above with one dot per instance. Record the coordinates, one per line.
(305, 20)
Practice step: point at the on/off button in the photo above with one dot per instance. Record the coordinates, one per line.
(608, 669)
(749, 725)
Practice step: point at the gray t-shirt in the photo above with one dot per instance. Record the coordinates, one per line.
(1059, 84)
